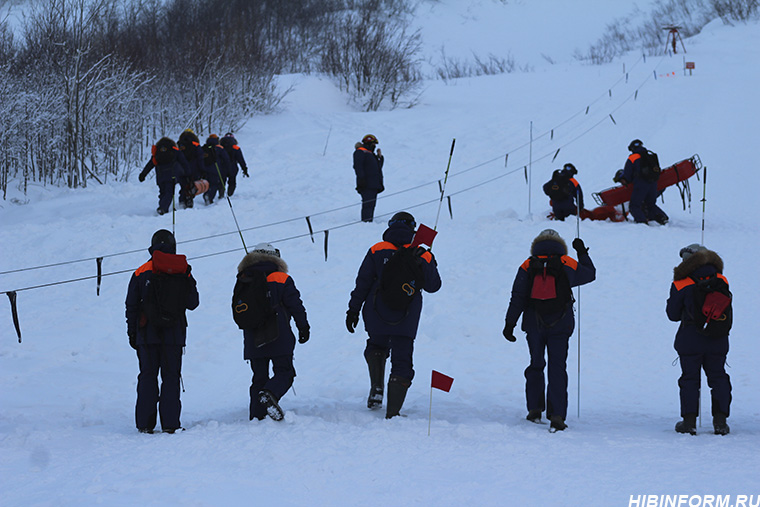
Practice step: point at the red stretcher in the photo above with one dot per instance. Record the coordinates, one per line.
(678, 172)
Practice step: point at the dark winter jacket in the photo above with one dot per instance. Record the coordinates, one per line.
(632, 169)
(563, 192)
(578, 273)
(217, 163)
(174, 172)
(369, 170)
(681, 305)
(235, 154)
(378, 318)
(193, 153)
(286, 300)
(136, 315)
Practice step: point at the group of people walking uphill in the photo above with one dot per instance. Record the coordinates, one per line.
(388, 297)
(209, 170)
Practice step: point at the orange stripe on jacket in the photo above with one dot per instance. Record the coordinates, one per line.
(278, 276)
(566, 260)
(148, 266)
(683, 283)
(634, 157)
(383, 245)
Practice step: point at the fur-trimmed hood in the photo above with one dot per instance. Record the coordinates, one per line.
(257, 257)
(555, 245)
(695, 261)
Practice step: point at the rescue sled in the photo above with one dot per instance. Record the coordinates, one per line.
(673, 175)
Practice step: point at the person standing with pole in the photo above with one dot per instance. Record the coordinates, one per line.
(541, 294)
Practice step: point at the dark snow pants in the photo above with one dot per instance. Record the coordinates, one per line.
(556, 345)
(369, 199)
(644, 203)
(691, 380)
(166, 359)
(165, 195)
(401, 349)
(281, 380)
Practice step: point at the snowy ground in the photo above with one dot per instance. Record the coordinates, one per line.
(67, 431)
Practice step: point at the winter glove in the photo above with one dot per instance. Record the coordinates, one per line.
(132, 339)
(509, 332)
(580, 247)
(303, 335)
(245, 172)
(141, 177)
(352, 320)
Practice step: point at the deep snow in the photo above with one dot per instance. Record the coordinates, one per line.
(67, 431)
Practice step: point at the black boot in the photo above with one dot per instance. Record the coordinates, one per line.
(534, 416)
(376, 364)
(274, 411)
(688, 425)
(719, 424)
(397, 387)
(557, 423)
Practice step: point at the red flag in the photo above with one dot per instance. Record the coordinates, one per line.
(441, 381)
(424, 236)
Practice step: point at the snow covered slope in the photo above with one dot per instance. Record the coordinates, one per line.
(67, 434)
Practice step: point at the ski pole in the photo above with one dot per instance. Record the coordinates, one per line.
(443, 189)
(174, 207)
(224, 189)
(704, 201)
(578, 235)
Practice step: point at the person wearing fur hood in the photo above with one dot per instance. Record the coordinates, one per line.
(548, 332)
(696, 350)
(286, 300)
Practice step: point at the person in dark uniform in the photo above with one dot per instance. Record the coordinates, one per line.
(391, 330)
(235, 153)
(565, 192)
(697, 350)
(548, 321)
(267, 391)
(164, 282)
(171, 169)
(644, 196)
(368, 166)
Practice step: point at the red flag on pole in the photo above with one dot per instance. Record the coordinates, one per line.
(441, 381)
(424, 236)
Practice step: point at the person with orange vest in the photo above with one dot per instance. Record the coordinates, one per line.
(541, 294)
(235, 153)
(698, 350)
(159, 293)
(171, 169)
(644, 196)
(266, 391)
(368, 167)
(565, 192)
(391, 327)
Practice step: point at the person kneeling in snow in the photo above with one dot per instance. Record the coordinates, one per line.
(564, 191)
(264, 286)
(541, 294)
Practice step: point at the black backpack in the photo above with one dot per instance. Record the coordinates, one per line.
(165, 301)
(650, 166)
(252, 307)
(228, 144)
(164, 152)
(561, 188)
(209, 154)
(402, 278)
(712, 302)
(549, 286)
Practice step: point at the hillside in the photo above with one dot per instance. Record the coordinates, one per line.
(67, 421)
